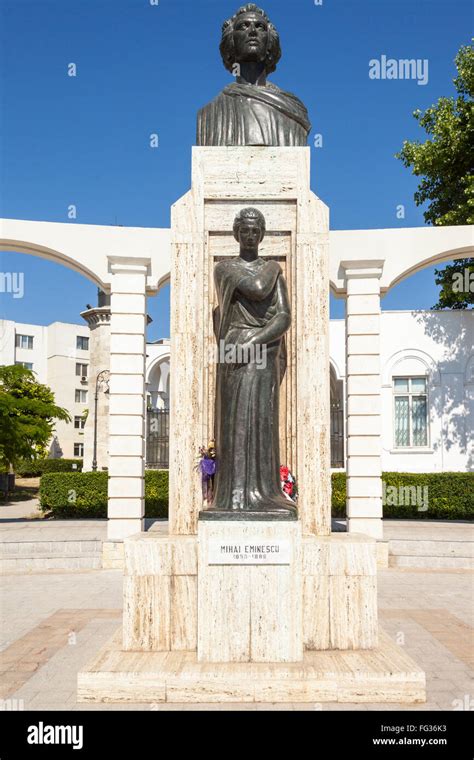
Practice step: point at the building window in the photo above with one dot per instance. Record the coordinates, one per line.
(78, 449)
(411, 412)
(81, 396)
(79, 423)
(82, 343)
(26, 365)
(81, 370)
(24, 341)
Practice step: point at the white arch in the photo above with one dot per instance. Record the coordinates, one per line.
(86, 248)
(428, 364)
(157, 380)
(34, 249)
(164, 281)
(154, 364)
(333, 365)
(438, 258)
(403, 251)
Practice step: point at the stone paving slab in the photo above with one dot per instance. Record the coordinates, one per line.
(52, 530)
(20, 510)
(428, 612)
(13, 530)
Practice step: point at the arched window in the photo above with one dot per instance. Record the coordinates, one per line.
(411, 374)
(410, 412)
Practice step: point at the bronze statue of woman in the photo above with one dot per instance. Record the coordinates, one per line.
(250, 325)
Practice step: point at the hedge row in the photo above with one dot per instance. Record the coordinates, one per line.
(36, 468)
(446, 495)
(84, 494)
(430, 496)
(449, 495)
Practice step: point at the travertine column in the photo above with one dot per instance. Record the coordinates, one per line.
(126, 504)
(313, 447)
(364, 446)
(187, 370)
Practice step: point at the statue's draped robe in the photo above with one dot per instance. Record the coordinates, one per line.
(245, 114)
(247, 398)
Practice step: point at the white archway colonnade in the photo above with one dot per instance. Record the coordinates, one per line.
(133, 263)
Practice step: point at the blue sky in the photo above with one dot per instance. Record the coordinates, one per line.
(145, 69)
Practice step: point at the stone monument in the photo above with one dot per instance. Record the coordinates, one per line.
(251, 600)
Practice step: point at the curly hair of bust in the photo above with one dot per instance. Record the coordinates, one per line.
(252, 214)
(227, 42)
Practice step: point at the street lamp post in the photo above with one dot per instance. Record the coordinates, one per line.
(103, 376)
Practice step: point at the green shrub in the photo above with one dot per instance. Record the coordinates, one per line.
(338, 495)
(74, 494)
(84, 495)
(37, 468)
(156, 493)
(449, 495)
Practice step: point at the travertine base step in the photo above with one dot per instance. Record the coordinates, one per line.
(433, 563)
(385, 674)
(432, 553)
(21, 556)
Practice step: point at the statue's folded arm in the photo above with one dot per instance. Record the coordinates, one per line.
(257, 287)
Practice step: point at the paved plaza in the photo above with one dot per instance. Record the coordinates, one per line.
(54, 622)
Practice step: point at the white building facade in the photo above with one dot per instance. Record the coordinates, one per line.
(427, 393)
(67, 358)
(59, 356)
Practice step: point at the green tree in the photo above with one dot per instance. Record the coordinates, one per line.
(27, 414)
(446, 164)
(457, 285)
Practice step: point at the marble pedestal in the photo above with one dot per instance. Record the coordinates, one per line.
(198, 629)
(249, 592)
(179, 595)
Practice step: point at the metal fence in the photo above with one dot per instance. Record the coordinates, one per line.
(157, 439)
(337, 438)
(158, 432)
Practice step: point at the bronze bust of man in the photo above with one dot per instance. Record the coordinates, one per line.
(252, 111)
